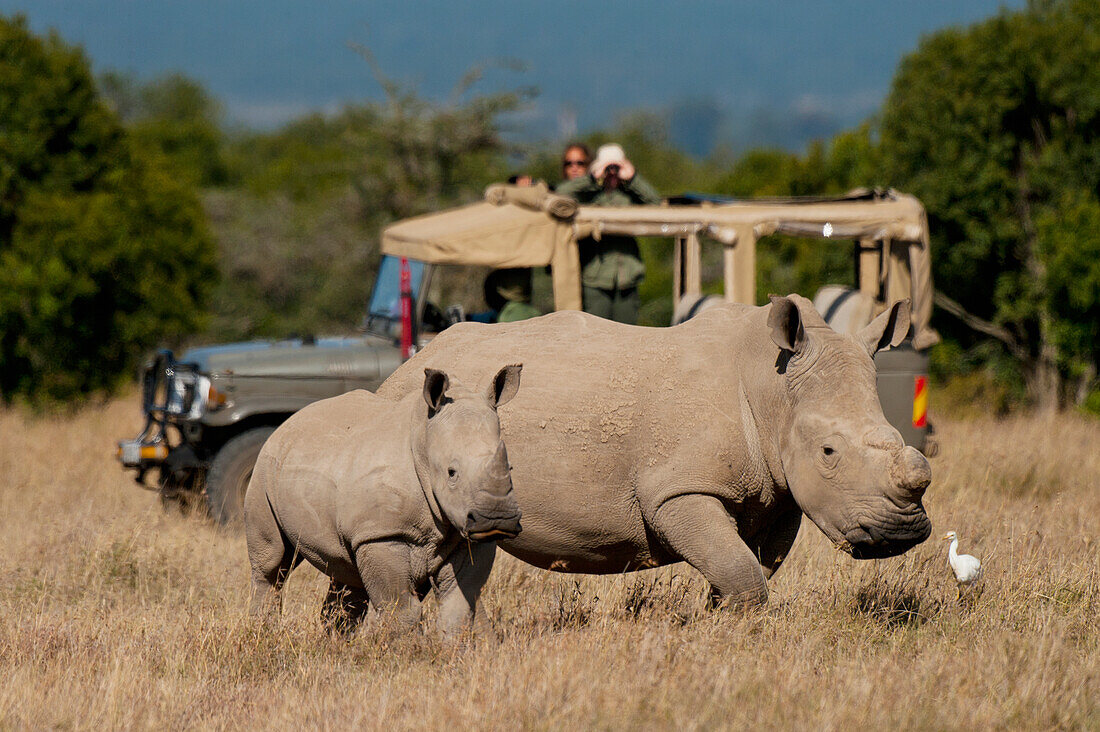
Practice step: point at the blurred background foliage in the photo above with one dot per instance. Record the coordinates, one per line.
(132, 216)
(105, 250)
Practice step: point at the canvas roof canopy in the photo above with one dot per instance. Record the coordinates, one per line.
(477, 234)
(514, 227)
(532, 227)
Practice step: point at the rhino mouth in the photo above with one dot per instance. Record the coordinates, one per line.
(491, 535)
(482, 528)
(879, 537)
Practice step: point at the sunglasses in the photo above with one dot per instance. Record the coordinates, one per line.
(571, 163)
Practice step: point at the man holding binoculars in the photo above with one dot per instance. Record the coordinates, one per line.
(611, 268)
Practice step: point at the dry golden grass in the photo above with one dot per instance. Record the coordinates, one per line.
(115, 613)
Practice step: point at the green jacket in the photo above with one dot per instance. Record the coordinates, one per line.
(514, 311)
(613, 262)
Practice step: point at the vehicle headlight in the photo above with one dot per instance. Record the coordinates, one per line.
(188, 393)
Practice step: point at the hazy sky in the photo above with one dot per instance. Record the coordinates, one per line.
(270, 60)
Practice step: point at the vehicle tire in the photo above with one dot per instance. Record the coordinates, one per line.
(692, 305)
(229, 473)
(182, 492)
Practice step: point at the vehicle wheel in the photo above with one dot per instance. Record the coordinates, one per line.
(229, 473)
(182, 492)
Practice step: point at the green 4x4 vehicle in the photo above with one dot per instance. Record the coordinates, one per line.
(209, 411)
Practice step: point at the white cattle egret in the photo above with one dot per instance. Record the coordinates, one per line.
(967, 569)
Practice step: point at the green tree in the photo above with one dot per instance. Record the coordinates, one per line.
(175, 116)
(1068, 237)
(413, 155)
(103, 253)
(299, 234)
(997, 129)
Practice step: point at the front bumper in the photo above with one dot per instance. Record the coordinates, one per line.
(173, 394)
(138, 453)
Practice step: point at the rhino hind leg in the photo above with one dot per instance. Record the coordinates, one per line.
(697, 529)
(271, 555)
(268, 581)
(344, 608)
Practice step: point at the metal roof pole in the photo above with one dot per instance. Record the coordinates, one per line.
(739, 265)
(899, 280)
(677, 272)
(694, 275)
(870, 266)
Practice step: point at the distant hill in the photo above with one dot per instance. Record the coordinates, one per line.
(739, 73)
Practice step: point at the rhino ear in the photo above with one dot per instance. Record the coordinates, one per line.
(786, 324)
(505, 385)
(436, 384)
(888, 329)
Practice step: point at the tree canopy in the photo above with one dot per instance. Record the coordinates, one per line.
(175, 117)
(996, 128)
(103, 250)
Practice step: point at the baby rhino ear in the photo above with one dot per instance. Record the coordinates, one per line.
(505, 385)
(436, 384)
(888, 329)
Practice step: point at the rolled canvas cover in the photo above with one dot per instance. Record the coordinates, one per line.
(500, 236)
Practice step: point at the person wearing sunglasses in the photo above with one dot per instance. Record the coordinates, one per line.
(574, 161)
(611, 268)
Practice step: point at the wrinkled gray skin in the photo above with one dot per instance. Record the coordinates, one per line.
(705, 442)
(388, 498)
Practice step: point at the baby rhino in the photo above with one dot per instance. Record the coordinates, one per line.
(388, 498)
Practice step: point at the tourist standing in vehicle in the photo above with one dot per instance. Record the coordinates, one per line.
(611, 268)
(575, 161)
(508, 291)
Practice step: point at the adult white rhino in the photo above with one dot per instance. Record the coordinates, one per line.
(705, 442)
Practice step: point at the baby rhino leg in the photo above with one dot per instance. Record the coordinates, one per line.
(270, 554)
(386, 571)
(344, 608)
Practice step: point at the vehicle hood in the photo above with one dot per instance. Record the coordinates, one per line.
(292, 357)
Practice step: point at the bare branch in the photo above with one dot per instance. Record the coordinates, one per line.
(981, 325)
(390, 87)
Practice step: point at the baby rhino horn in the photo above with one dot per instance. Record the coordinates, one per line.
(498, 466)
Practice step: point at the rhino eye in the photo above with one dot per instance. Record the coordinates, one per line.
(830, 456)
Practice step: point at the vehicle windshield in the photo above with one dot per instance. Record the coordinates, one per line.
(384, 310)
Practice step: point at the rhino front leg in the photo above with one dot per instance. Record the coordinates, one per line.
(386, 571)
(697, 529)
(458, 586)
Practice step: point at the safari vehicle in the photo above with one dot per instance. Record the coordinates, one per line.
(209, 411)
